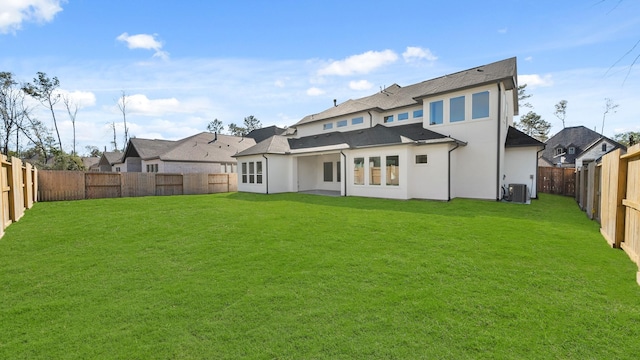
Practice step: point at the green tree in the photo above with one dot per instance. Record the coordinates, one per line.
(561, 111)
(533, 125)
(522, 96)
(251, 123)
(93, 151)
(628, 138)
(44, 89)
(236, 130)
(215, 126)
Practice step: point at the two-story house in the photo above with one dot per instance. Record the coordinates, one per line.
(575, 145)
(439, 139)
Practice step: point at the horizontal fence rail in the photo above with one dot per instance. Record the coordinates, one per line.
(75, 185)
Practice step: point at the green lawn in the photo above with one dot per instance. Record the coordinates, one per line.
(294, 276)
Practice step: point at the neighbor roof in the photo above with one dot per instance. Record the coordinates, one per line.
(396, 96)
(202, 147)
(579, 137)
(376, 136)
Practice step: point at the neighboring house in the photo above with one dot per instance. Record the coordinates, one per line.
(439, 139)
(108, 159)
(202, 153)
(91, 163)
(574, 146)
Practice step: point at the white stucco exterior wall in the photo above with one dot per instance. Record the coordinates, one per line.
(521, 168)
(430, 180)
(383, 190)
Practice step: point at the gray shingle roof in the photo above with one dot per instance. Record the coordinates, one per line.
(579, 137)
(396, 96)
(378, 135)
(516, 138)
(263, 133)
(197, 148)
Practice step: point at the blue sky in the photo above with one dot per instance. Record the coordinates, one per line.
(186, 63)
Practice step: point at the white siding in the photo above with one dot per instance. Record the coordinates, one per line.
(249, 187)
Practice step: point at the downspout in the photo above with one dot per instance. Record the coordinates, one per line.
(370, 119)
(344, 173)
(536, 174)
(266, 172)
(498, 146)
(449, 171)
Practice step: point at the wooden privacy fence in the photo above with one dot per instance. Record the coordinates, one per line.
(589, 188)
(76, 185)
(19, 183)
(620, 201)
(556, 180)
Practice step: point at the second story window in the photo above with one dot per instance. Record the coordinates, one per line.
(388, 119)
(327, 126)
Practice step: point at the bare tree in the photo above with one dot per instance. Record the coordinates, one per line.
(122, 105)
(44, 89)
(115, 138)
(72, 110)
(12, 109)
(561, 111)
(609, 105)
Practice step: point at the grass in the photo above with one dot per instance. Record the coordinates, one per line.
(295, 276)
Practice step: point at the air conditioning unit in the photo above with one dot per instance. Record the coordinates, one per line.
(518, 193)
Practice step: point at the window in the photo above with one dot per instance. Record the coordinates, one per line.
(559, 151)
(259, 172)
(572, 150)
(251, 173)
(338, 172)
(480, 105)
(244, 172)
(156, 166)
(435, 112)
(403, 116)
(327, 126)
(604, 147)
(388, 119)
(358, 171)
(341, 123)
(393, 163)
(421, 159)
(356, 121)
(117, 169)
(456, 109)
(148, 168)
(417, 114)
(328, 171)
(374, 170)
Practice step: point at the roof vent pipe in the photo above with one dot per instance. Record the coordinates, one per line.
(335, 102)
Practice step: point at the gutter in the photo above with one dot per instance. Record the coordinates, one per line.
(370, 119)
(266, 173)
(449, 170)
(344, 173)
(498, 145)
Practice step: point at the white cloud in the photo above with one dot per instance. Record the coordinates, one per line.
(314, 91)
(535, 80)
(140, 104)
(502, 31)
(82, 98)
(414, 53)
(359, 64)
(360, 85)
(14, 13)
(279, 83)
(144, 41)
(528, 58)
